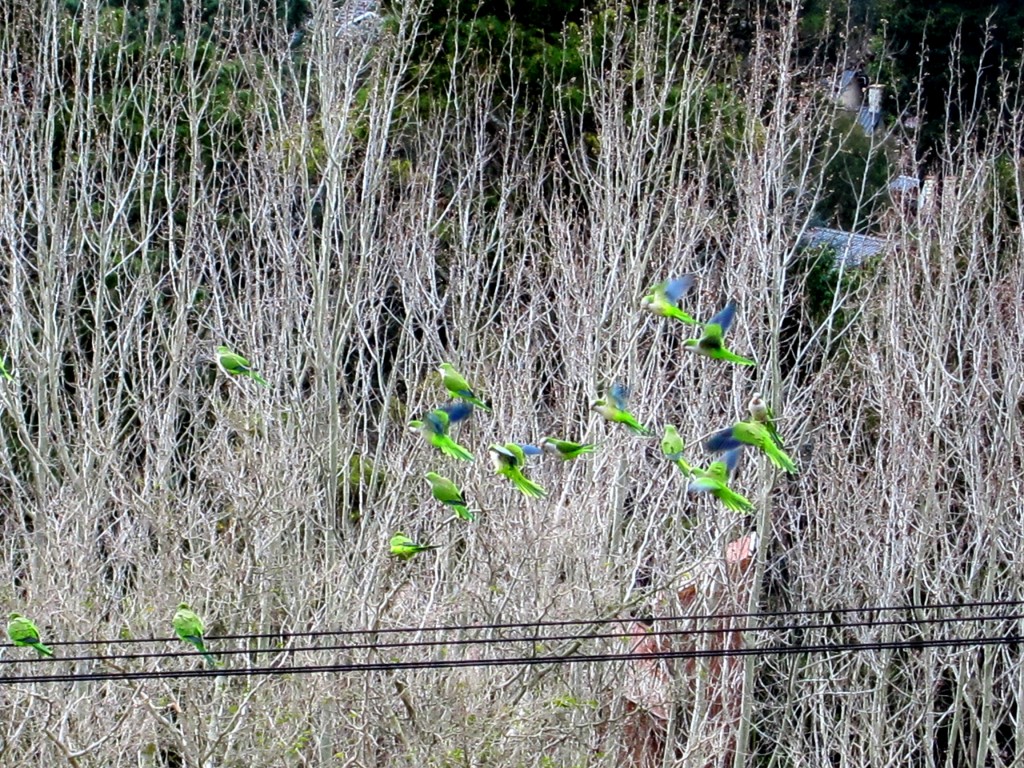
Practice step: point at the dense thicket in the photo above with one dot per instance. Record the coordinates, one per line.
(322, 207)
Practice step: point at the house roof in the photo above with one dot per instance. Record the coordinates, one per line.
(851, 249)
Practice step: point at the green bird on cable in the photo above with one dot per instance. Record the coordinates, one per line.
(751, 433)
(448, 493)
(235, 365)
(614, 410)
(434, 427)
(715, 479)
(509, 460)
(566, 450)
(23, 632)
(712, 344)
(405, 548)
(458, 387)
(189, 627)
(672, 448)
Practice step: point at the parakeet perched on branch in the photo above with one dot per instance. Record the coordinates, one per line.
(236, 365)
(405, 548)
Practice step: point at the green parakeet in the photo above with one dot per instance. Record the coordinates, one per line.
(714, 480)
(663, 298)
(434, 427)
(761, 412)
(236, 365)
(614, 410)
(458, 387)
(755, 434)
(672, 447)
(566, 450)
(448, 493)
(4, 372)
(405, 548)
(509, 460)
(711, 343)
(24, 632)
(189, 627)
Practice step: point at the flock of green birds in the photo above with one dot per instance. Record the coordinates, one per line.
(510, 459)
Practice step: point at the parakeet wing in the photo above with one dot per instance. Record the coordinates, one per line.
(723, 320)
(723, 440)
(675, 288)
(619, 394)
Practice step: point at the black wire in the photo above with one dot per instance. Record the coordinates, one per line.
(565, 623)
(651, 633)
(979, 641)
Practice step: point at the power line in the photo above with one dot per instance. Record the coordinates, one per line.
(653, 632)
(567, 623)
(977, 641)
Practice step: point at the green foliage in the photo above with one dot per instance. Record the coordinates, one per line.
(857, 176)
(965, 45)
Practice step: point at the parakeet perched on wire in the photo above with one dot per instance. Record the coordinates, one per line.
(672, 448)
(714, 480)
(189, 627)
(24, 632)
(761, 412)
(405, 548)
(755, 434)
(435, 425)
(509, 460)
(458, 387)
(711, 343)
(448, 493)
(236, 365)
(614, 409)
(663, 299)
(566, 450)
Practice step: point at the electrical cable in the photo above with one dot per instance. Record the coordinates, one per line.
(563, 623)
(106, 676)
(650, 633)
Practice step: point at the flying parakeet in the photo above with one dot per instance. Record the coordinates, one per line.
(435, 425)
(448, 493)
(458, 387)
(711, 343)
(509, 460)
(672, 446)
(761, 412)
(755, 434)
(23, 632)
(236, 365)
(662, 299)
(614, 409)
(189, 627)
(566, 450)
(405, 548)
(714, 480)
